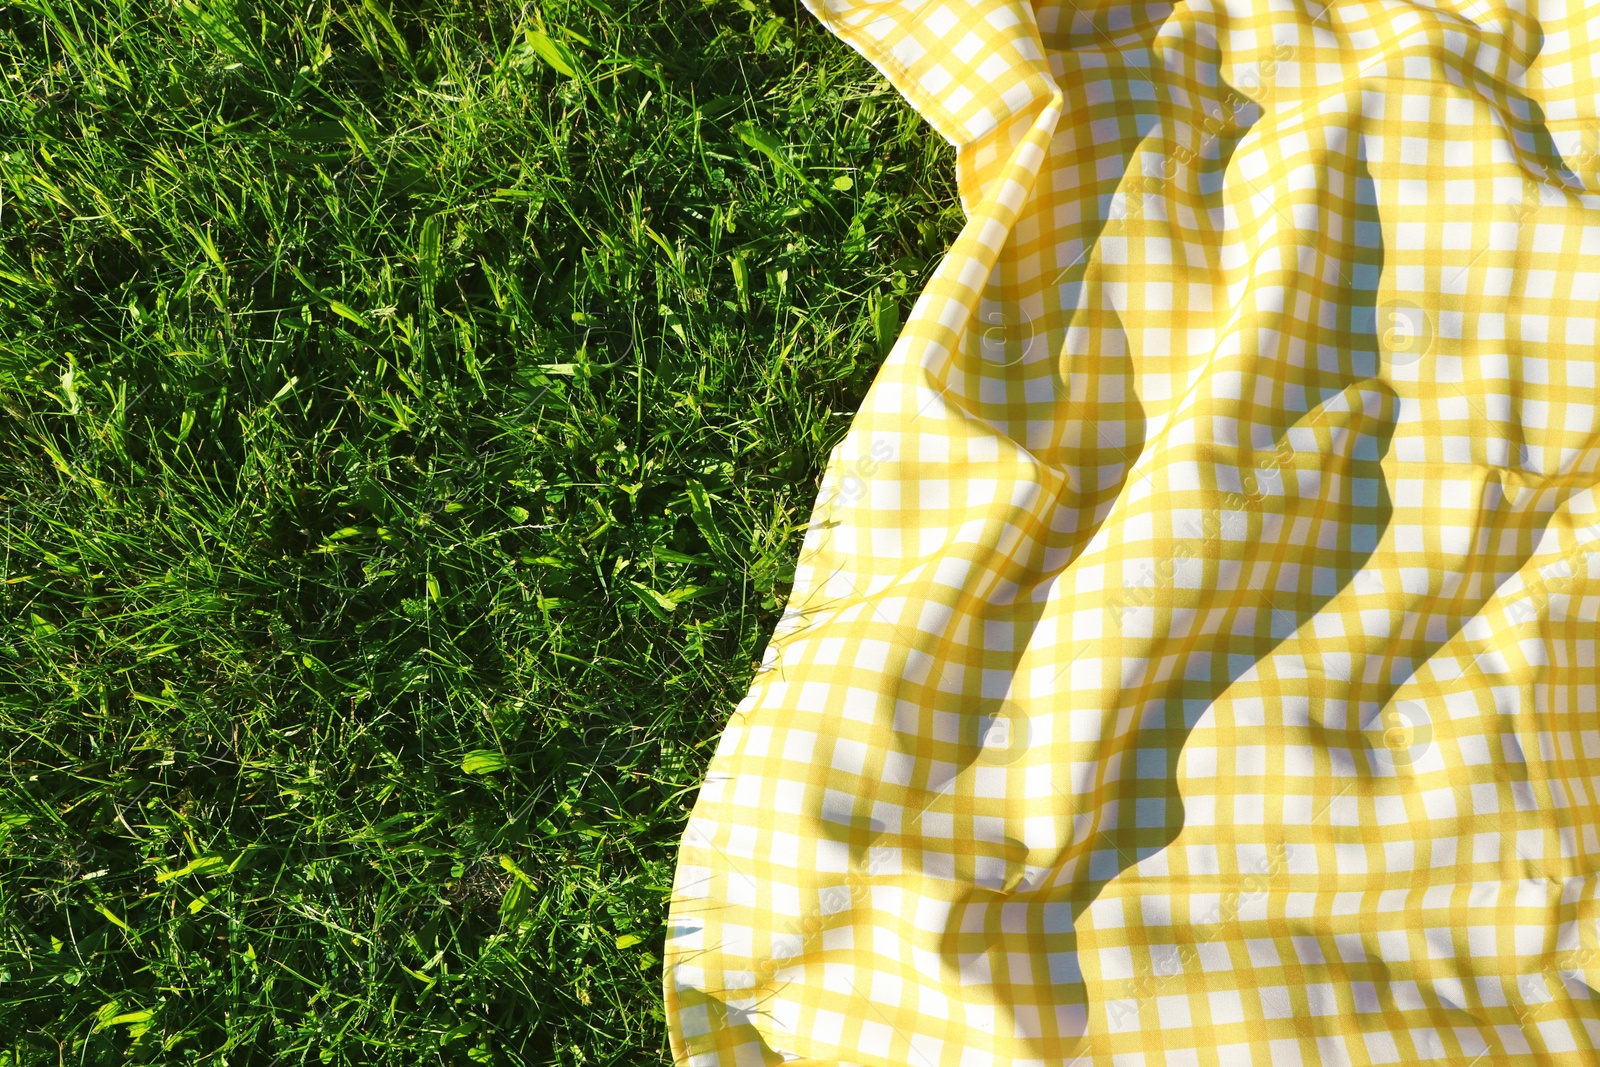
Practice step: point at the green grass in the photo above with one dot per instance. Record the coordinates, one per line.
(408, 419)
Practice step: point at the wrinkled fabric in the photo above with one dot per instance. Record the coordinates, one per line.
(1191, 659)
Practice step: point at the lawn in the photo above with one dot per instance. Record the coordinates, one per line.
(410, 417)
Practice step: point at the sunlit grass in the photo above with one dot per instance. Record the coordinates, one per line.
(409, 420)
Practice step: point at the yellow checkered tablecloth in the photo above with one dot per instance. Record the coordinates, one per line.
(1191, 659)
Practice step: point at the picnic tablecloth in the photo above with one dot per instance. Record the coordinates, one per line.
(1191, 659)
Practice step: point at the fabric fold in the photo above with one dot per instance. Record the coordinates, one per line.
(1191, 658)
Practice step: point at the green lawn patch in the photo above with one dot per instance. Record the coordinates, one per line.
(408, 419)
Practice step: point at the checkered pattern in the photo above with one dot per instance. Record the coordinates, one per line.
(1191, 659)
